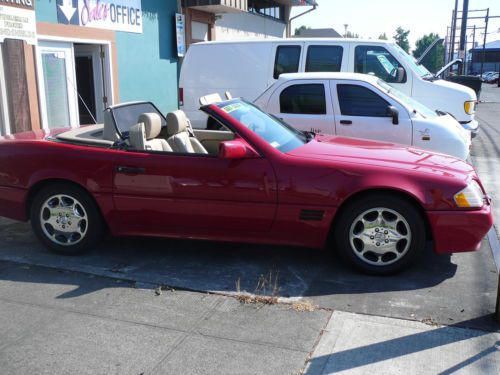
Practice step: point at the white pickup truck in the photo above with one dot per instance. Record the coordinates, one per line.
(362, 106)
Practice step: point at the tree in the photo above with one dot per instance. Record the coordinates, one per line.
(298, 30)
(382, 36)
(349, 34)
(434, 59)
(401, 38)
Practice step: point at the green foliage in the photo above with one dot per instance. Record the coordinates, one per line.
(435, 59)
(299, 29)
(349, 34)
(382, 36)
(401, 38)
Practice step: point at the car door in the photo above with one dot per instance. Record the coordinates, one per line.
(362, 113)
(304, 104)
(171, 193)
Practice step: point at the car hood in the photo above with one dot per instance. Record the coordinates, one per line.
(386, 155)
(467, 92)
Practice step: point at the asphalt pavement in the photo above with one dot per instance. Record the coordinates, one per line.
(104, 312)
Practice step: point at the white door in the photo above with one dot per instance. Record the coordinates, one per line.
(4, 107)
(57, 84)
(304, 104)
(361, 112)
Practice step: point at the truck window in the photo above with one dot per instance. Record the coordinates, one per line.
(357, 100)
(305, 99)
(324, 58)
(378, 61)
(287, 60)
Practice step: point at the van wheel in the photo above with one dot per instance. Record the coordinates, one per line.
(66, 219)
(380, 234)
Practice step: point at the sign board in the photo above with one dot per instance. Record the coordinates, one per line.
(180, 33)
(117, 15)
(17, 22)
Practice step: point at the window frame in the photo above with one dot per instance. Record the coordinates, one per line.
(323, 46)
(364, 88)
(325, 104)
(276, 55)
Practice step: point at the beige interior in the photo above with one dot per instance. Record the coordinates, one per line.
(147, 134)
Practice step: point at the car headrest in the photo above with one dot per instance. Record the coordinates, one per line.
(152, 124)
(177, 122)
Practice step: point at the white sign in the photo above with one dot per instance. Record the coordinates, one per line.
(118, 15)
(179, 30)
(17, 23)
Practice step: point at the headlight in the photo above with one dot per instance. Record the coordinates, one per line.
(470, 107)
(471, 196)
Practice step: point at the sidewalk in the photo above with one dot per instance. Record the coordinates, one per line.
(362, 344)
(60, 322)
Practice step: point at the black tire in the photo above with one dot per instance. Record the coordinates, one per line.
(356, 251)
(90, 223)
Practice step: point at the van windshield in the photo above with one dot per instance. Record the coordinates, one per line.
(410, 102)
(410, 60)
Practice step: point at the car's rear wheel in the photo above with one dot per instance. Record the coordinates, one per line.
(380, 234)
(65, 219)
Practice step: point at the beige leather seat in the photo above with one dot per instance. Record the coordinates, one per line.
(178, 135)
(142, 136)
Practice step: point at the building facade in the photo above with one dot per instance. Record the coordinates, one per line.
(487, 59)
(62, 62)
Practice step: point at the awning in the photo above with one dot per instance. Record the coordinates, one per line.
(217, 6)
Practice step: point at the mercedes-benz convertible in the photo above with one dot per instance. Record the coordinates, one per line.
(257, 180)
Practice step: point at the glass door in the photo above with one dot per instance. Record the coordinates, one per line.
(57, 84)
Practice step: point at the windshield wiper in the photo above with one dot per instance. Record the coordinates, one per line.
(310, 135)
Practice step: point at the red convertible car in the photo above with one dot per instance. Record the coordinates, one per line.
(258, 180)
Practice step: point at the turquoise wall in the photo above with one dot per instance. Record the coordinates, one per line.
(147, 62)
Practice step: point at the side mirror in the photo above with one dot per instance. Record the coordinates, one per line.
(394, 113)
(236, 149)
(400, 75)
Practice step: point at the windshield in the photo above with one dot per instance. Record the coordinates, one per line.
(418, 68)
(278, 134)
(410, 102)
(126, 116)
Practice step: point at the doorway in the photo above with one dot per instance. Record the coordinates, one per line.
(74, 82)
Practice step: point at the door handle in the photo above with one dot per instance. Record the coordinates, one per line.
(346, 122)
(130, 170)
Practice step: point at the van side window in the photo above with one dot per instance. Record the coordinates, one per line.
(305, 99)
(378, 61)
(357, 100)
(287, 60)
(324, 58)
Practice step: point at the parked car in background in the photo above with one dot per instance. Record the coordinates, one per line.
(491, 78)
(485, 75)
(362, 106)
(259, 181)
(247, 68)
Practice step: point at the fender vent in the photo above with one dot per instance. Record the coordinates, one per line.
(314, 215)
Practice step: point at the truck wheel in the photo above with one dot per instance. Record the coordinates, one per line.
(66, 219)
(380, 234)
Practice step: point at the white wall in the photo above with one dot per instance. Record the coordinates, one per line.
(233, 26)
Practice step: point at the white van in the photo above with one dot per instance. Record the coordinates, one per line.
(247, 68)
(362, 106)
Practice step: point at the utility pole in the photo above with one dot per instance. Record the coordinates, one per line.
(484, 40)
(453, 30)
(463, 30)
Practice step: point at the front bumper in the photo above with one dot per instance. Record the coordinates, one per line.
(459, 231)
(472, 126)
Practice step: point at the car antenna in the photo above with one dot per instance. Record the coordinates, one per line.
(83, 101)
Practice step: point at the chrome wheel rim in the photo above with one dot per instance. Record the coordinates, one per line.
(64, 220)
(380, 236)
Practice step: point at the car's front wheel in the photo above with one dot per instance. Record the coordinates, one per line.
(65, 219)
(380, 234)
